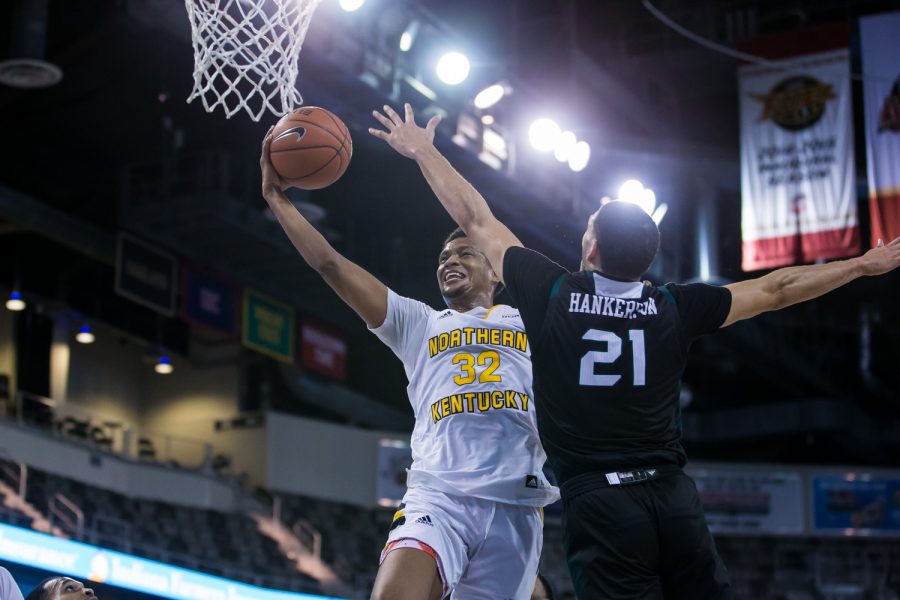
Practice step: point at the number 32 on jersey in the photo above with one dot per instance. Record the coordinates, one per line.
(489, 360)
(588, 375)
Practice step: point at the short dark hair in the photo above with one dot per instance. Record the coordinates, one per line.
(454, 235)
(628, 239)
(45, 590)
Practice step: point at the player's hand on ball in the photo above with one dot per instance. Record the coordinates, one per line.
(271, 181)
(881, 259)
(403, 135)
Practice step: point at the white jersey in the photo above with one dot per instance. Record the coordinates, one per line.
(470, 388)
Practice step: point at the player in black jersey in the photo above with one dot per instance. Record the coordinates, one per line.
(608, 354)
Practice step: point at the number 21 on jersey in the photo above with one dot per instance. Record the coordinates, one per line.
(588, 375)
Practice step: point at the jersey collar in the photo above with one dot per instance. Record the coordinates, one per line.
(607, 286)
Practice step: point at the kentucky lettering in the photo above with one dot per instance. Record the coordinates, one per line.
(479, 402)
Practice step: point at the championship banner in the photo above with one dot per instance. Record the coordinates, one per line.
(798, 182)
(856, 504)
(268, 326)
(881, 97)
(323, 352)
(737, 501)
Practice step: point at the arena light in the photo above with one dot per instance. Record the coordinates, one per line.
(85, 335)
(408, 37)
(453, 68)
(565, 146)
(490, 96)
(487, 119)
(352, 5)
(633, 191)
(544, 134)
(164, 366)
(581, 154)
(15, 302)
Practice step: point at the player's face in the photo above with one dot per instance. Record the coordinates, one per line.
(463, 269)
(587, 243)
(70, 589)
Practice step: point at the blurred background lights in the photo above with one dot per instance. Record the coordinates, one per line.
(15, 302)
(544, 134)
(352, 5)
(565, 145)
(453, 68)
(85, 335)
(164, 366)
(633, 191)
(580, 156)
(408, 37)
(490, 96)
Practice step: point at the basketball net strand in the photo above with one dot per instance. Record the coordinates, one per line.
(245, 53)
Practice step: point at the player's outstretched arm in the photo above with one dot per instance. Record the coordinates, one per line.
(791, 285)
(467, 207)
(356, 286)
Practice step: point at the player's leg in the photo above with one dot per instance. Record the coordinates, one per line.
(425, 554)
(690, 565)
(611, 544)
(408, 574)
(504, 566)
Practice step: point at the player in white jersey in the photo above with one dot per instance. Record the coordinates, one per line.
(470, 524)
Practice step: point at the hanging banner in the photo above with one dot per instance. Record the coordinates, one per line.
(208, 300)
(268, 326)
(323, 351)
(798, 181)
(737, 501)
(880, 36)
(145, 274)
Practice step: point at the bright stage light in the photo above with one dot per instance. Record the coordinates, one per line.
(85, 335)
(453, 68)
(544, 134)
(631, 191)
(564, 146)
(581, 154)
(15, 302)
(490, 96)
(352, 5)
(164, 366)
(408, 37)
(487, 119)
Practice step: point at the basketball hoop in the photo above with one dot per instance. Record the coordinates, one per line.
(245, 53)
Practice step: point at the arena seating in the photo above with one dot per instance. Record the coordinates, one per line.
(223, 544)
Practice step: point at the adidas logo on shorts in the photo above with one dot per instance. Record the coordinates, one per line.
(426, 520)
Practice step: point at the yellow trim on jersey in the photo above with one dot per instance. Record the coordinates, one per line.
(490, 310)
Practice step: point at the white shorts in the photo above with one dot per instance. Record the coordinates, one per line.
(485, 550)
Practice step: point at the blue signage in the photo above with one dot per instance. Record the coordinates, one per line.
(209, 300)
(99, 565)
(856, 504)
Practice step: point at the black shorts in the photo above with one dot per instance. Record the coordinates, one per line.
(641, 541)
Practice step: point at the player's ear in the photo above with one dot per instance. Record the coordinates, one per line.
(593, 255)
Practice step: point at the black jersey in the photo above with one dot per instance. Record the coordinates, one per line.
(607, 360)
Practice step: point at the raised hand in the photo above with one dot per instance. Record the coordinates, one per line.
(881, 259)
(271, 180)
(403, 135)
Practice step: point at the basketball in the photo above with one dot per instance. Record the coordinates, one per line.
(311, 148)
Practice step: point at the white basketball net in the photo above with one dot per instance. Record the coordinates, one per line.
(245, 53)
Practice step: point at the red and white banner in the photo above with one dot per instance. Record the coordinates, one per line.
(323, 351)
(797, 171)
(881, 96)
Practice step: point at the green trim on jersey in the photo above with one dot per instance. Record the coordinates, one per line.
(665, 292)
(554, 291)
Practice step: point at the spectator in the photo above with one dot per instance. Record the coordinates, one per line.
(8, 588)
(61, 588)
